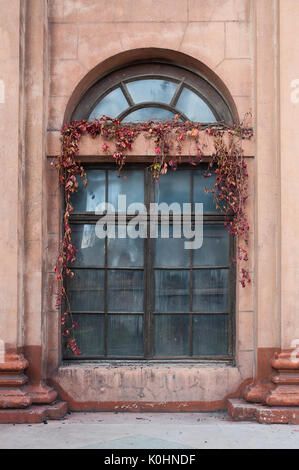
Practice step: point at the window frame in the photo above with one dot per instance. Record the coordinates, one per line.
(149, 269)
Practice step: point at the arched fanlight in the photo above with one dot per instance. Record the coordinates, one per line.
(153, 92)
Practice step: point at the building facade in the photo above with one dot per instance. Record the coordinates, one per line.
(53, 55)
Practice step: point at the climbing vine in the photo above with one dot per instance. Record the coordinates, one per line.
(227, 162)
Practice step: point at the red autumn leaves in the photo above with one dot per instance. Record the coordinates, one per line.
(230, 192)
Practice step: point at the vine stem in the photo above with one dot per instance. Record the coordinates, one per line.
(230, 167)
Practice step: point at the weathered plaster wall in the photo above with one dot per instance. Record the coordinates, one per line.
(267, 204)
(84, 33)
(289, 168)
(146, 386)
(11, 175)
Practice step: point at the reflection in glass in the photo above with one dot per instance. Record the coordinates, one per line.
(90, 250)
(86, 290)
(123, 183)
(111, 105)
(172, 291)
(152, 90)
(171, 335)
(125, 252)
(151, 113)
(125, 335)
(194, 107)
(175, 186)
(215, 247)
(200, 182)
(170, 252)
(210, 335)
(211, 290)
(125, 291)
(89, 335)
(87, 199)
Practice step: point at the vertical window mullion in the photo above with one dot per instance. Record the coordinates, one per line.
(106, 280)
(191, 271)
(232, 300)
(148, 273)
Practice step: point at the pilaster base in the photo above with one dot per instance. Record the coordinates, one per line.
(34, 414)
(283, 395)
(21, 402)
(241, 410)
(12, 381)
(275, 400)
(286, 380)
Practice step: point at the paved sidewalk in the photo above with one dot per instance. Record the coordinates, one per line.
(148, 431)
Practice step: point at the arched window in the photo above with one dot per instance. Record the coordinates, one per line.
(151, 298)
(153, 92)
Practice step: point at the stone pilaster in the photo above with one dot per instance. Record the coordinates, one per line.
(23, 117)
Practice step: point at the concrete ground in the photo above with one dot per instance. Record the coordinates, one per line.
(149, 431)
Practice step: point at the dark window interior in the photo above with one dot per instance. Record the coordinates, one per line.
(148, 298)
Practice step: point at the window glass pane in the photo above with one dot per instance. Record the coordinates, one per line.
(129, 183)
(215, 247)
(171, 335)
(210, 290)
(151, 113)
(172, 291)
(152, 90)
(112, 105)
(125, 335)
(210, 335)
(89, 336)
(90, 248)
(200, 182)
(87, 199)
(194, 107)
(170, 252)
(175, 186)
(125, 252)
(86, 290)
(125, 291)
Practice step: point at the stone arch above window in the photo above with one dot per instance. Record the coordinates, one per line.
(153, 91)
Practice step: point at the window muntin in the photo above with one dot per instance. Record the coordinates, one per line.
(149, 113)
(153, 298)
(155, 99)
